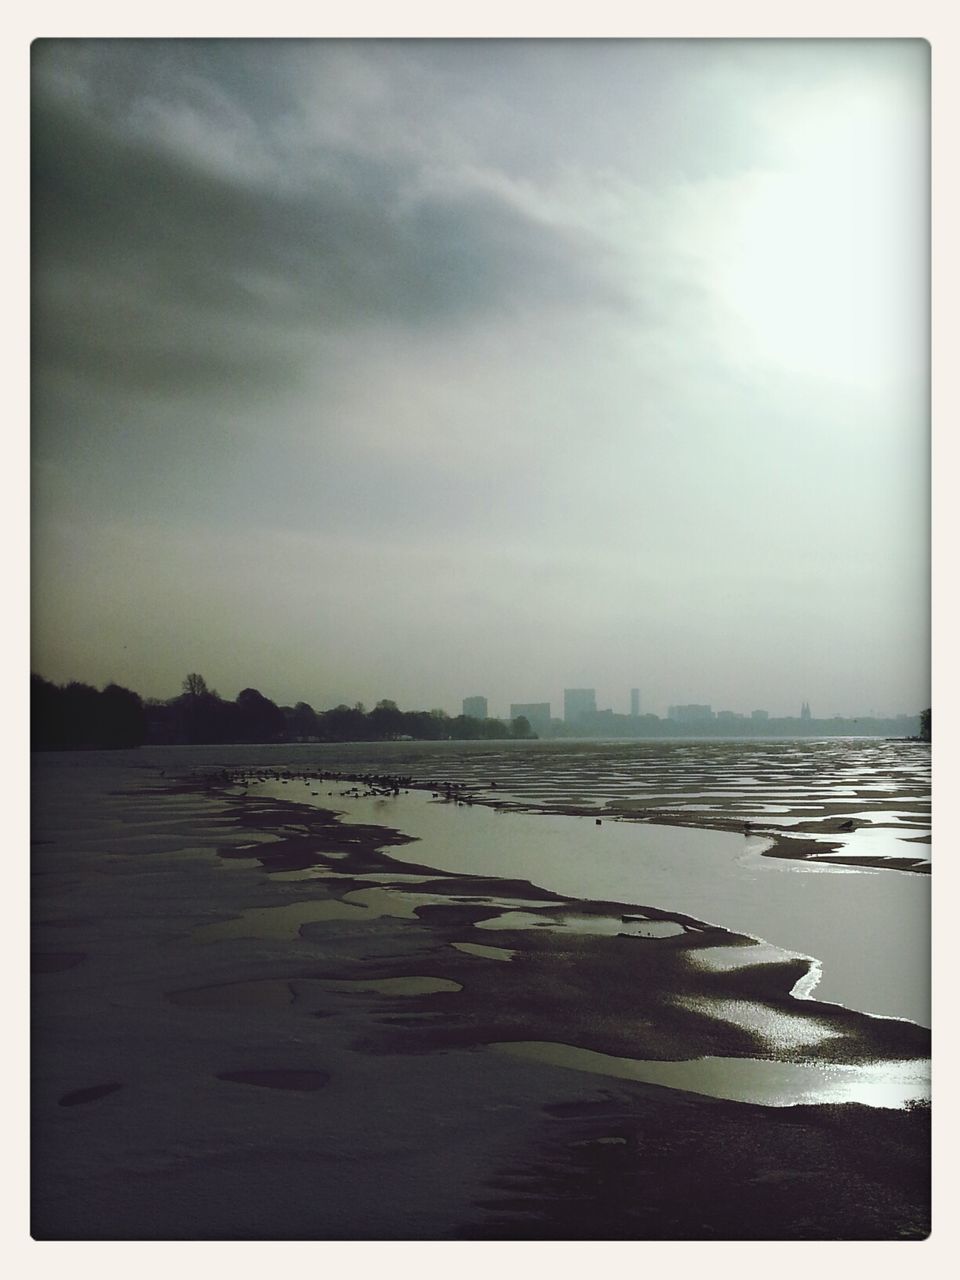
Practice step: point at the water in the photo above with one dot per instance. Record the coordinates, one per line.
(867, 928)
(864, 930)
(769, 1084)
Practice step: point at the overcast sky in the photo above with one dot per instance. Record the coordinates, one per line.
(427, 369)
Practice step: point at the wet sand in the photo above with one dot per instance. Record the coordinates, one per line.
(271, 1029)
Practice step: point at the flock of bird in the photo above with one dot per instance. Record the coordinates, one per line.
(363, 785)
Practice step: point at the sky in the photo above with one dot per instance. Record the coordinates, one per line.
(419, 370)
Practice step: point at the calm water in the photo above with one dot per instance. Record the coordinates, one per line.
(771, 1084)
(867, 928)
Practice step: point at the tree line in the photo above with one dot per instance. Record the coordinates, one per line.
(76, 716)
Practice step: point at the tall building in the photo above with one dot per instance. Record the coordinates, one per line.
(805, 711)
(475, 707)
(578, 703)
(759, 715)
(538, 714)
(634, 702)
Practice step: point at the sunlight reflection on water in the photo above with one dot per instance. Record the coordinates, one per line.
(770, 1084)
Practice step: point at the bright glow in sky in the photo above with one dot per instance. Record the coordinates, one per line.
(424, 369)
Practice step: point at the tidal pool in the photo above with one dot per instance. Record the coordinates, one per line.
(287, 919)
(596, 925)
(484, 953)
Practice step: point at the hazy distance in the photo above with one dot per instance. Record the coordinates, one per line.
(419, 370)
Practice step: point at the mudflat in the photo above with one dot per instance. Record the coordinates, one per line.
(255, 1021)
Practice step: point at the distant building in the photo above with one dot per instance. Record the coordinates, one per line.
(805, 711)
(578, 703)
(759, 715)
(727, 716)
(690, 713)
(537, 713)
(475, 707)
(634, 702)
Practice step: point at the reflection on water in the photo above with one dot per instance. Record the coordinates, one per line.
(771, 1084)
(880, 842)
(485, 953)
(868, 929)
(782, 1032)
(725, 959)
(277, 922)
(286, 921)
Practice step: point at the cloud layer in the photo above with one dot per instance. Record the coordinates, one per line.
(372, 369)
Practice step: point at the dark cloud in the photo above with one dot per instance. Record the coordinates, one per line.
(154, 270)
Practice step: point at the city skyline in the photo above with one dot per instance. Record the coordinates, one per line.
(619, 701)
(551, 711)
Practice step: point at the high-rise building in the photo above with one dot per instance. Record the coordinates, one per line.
(537, 713)
(475, 707)
(805, 711)
(578, 703)
(759, 715)
(634, 702)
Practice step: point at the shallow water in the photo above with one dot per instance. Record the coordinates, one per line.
(880, 842)
(287, 919)
(483, 953)
(868, 928)
(595, 925)
(770, 1084)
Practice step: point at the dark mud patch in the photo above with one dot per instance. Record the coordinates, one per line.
(55, 961)
(309, 838)
(280, 993)
(92, 1094)
(409, 985)
(580, 1110)
(260, 993)
(296, 1080)
(633, 1164)
(448, 915)
(920, 865)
